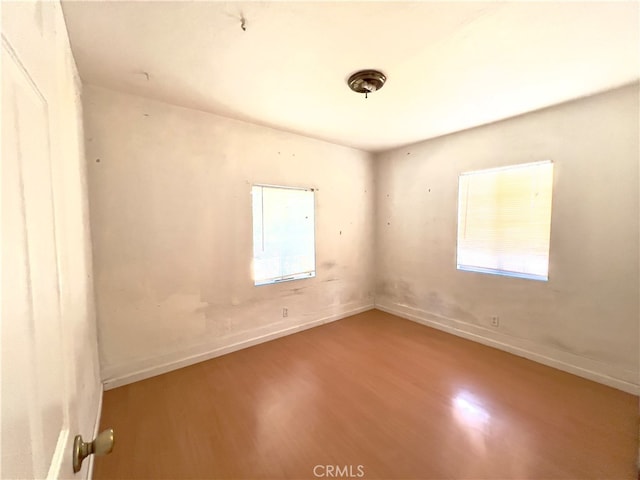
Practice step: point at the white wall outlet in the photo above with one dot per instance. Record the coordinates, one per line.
(495, 321)
(285, 312)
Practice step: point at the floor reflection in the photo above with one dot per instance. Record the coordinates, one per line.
(474, 420)
(469, 412)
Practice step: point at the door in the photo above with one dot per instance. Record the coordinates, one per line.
(39, 365)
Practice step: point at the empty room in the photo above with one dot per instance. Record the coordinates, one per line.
(315, 240)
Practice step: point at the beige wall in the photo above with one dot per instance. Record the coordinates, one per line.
(171, 225)
(585, 318)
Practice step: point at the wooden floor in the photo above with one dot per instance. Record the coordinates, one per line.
(370, 396)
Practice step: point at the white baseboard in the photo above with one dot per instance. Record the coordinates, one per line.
(143, 373)
(96, 430)
(430, 320)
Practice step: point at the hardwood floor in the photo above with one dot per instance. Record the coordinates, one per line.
(378, 397)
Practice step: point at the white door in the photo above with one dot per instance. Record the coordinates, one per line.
(38, 366)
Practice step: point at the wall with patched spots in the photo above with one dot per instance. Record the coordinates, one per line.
(170, 193)
(585, 318)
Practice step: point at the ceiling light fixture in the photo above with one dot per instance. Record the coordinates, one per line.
(366, 81)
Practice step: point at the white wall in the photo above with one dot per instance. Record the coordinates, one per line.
(171, 225)
(51, 387)
(585, 318)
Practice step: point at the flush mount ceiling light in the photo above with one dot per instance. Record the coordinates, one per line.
(366, 81)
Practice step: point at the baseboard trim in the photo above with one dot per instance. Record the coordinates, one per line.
(519, 351)
(96, 430)
(145, 373)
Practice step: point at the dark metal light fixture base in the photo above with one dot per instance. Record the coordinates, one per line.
(366, 81)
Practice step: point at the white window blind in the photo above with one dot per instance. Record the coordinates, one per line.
(283, 234)
(504, 220)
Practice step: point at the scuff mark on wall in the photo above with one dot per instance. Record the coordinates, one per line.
(436, 302)
(382, 288)
(404, 293)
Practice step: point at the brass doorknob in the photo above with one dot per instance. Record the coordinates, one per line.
(101, 445)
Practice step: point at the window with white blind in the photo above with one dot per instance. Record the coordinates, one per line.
(283, 234)
(504, 220)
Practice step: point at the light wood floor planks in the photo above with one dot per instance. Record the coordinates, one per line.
(375, 395)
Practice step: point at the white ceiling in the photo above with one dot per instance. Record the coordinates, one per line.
(449, 65)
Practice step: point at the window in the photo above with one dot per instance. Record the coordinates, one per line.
(283, 234)
(504, 220)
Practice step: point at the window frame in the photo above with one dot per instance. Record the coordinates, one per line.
(499, 271)
(287, 277)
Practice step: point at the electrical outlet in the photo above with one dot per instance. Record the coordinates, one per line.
(285, 312)
(495, 321)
